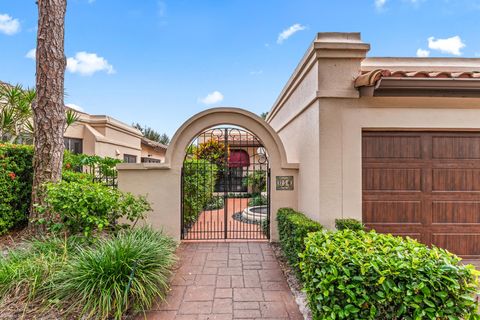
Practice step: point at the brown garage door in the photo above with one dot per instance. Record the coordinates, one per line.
(425, 185)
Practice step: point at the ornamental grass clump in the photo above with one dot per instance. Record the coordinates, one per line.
(366, 275)
(26, 272)
(116, 275)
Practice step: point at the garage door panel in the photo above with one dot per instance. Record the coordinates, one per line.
(398, 179)
(398, 230)
(400, 147)
(456, 212)
(456, 179)
(430, 190)
(458, 147)
(408, 212)
(463, 244)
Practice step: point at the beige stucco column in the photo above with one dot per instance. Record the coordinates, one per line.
(161, 182)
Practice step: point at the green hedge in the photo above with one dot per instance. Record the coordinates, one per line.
(16, 176)
(358, 275)
(348, 223)
(199, 177)
(293, 227)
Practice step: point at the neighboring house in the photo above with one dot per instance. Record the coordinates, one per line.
(245, 155)
(394, 142)
(107, 137)
(152, 151)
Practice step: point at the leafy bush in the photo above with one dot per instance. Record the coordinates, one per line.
(16, 176)
(293, 228)
(258, 200)
(215, 203)
(349, 223)
(99, 169)
(265, 225)
(84, 206)
(198, 186)
(213, 151)
(118, 274)
(358, 275)
(72, 176)
(257, 181)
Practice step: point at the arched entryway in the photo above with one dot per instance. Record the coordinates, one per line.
(162, 182)
(225, 186)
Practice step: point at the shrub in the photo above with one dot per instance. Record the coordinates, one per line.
(258, 200)
(72, 176)
(99, 169)
(16, 176)
(213, 151)
(215, 203)
(358, 275)
(257, 181)
(117, 275)
(85, 206)
(265, 225)
(349, 223)
(199, 177)
(293, 227)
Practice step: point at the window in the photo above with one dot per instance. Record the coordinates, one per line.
(129, 158)
(150, 160)
(73, 145)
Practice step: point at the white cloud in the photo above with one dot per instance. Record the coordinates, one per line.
(74, 107)
(422, 53)
(31, 54)
(9, 25)
(451, 45)
(87, 64)
(212, 98)
(290, 31)
(379, 4)
(256, 72)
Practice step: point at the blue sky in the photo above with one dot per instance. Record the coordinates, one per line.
(159, 62)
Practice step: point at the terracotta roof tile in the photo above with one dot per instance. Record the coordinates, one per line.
(370, 78)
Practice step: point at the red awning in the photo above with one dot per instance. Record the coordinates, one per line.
(238, 158)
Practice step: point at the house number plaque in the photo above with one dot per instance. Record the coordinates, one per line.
(284, 182)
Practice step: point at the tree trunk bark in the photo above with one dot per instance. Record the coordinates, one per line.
(48, 107)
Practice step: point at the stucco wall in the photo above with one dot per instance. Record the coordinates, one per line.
(161, 182)
(149, 152)
(301, 141)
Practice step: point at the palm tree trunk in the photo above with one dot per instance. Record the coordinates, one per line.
(48, 107)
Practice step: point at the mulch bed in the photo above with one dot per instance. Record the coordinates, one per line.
(293, 282)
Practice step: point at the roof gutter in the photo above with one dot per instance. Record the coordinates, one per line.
(423, 87)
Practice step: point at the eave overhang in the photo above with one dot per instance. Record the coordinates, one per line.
(423, 87)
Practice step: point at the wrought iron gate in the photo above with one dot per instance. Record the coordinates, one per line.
(225, 186)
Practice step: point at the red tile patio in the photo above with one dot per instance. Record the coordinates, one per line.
(210, 224)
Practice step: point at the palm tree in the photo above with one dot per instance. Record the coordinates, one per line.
(15, 113)
(16, 123)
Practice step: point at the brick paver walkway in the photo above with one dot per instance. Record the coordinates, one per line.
(223, 281)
